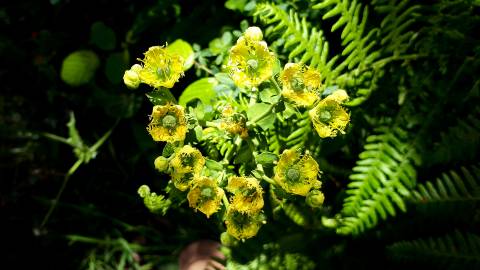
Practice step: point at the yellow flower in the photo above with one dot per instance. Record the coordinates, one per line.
(241, 225)
(297, 173)
(205, 196)
(234, 123)
(187, 164)
(300, 84)
(168, 123)
(247, 194)
(329, 116)
(250, 62)
(161, 68)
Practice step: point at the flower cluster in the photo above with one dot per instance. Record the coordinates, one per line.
(328, 116)
(225, 135)
(244, 217)
(250, 62)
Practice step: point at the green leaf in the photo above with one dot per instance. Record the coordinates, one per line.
(201, 89)
(73, 135)
(102, 36)
(266, 158)
(168, 150)
(213, 165)
(161, 96)
(259, 109)
(116, 66)
(183, 49)
(236, 4)
(79, 67)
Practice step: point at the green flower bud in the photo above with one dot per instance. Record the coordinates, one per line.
(131, 77)
(161, 163)
(253, 33)
(315, 198)
(228, 240)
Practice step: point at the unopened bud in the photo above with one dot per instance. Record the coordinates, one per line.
(315, 198)
(161, 163)
(253, 33)
(131, 78)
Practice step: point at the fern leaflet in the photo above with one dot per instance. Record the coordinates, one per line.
(382, 178)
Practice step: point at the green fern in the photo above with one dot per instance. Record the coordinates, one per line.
(357, 46)
(455, 251)
(301, 40)
(382, 178)
(459, 143)
(451, 193)
(396, 27)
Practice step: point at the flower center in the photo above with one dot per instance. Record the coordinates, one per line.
(169, 121)
(297, 84)
(325, 116)
(163, 72)
(207, 192)
(252, 63)
(293, 174)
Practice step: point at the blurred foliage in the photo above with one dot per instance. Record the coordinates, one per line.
(414, 75)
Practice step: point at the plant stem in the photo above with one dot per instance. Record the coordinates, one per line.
(274, 82)
(62, 188)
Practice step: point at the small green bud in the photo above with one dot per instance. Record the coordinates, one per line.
(143, 191)
(131, 78)
(161, 163)
(228, 240)
(315, 198)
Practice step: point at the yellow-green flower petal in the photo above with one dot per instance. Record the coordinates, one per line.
(248, 194)
(241, 225)
(186, 165)
(300, 84)
(297, 173)
(329, 117)
(234, 123)
(250, 62)
(161, 68)
(205, 196)
(168, 123)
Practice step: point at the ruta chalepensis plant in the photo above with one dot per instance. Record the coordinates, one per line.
(217, 151)
(291, 130)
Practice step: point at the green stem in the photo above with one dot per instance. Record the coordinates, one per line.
(274, 82)
(57, 138)
(269, 180)
(225, 201)
(62, 188)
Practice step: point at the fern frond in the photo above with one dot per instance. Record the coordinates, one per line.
(395, 28)
(302, 41)
(296, 214)
(357, 46)
(460, 142)
(382, 178)
(455, 189)
(454, 251)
